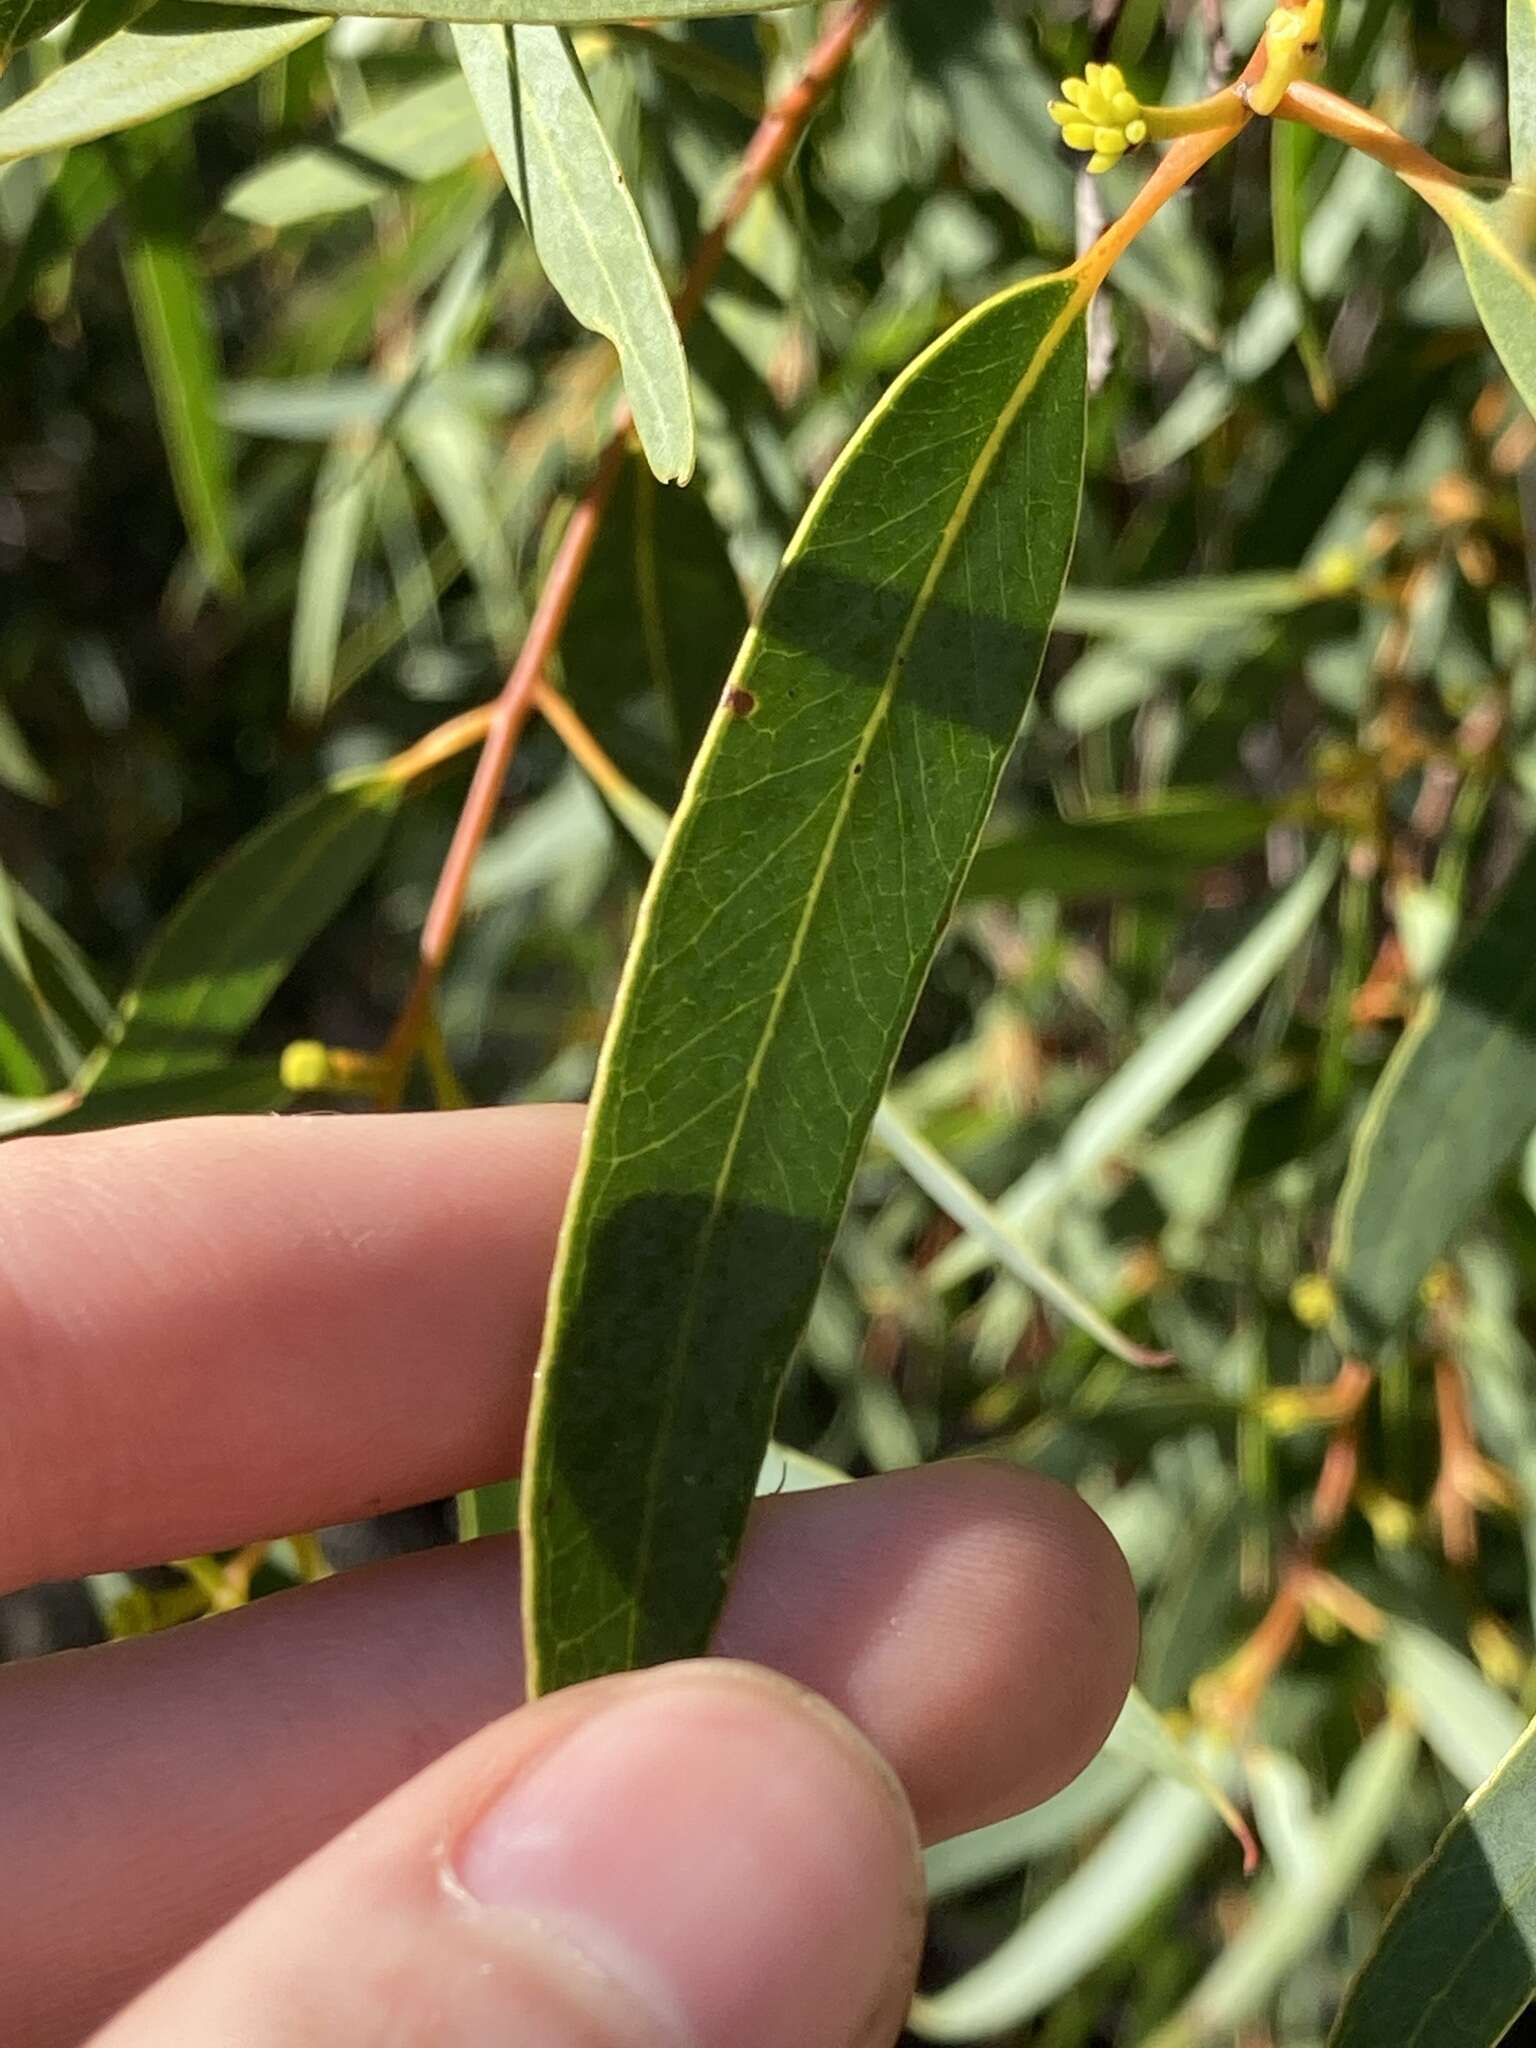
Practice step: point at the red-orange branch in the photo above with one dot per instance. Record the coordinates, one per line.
(774, 143)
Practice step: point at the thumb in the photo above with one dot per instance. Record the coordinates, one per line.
(703, 1854)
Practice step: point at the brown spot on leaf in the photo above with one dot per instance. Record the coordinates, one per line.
(740, 703)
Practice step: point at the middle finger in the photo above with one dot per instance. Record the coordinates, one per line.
(977, 1623)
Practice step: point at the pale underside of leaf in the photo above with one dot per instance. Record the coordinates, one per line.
(561, 170)
(1521, 40)
(169, 59)
(1495, 237)
(806, 881)
(551, 13)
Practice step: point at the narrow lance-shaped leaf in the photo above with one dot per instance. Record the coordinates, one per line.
(654, 630)
(177, 53)
(338, 516)
(1457, 1098)
(1150, 1079)
(559, 13)
(1290, 1919)
(222, 952)
(1495, 237)
(176, 333)
(790, 923)
(1521, 43)
(560, 168)
(1149, 1852)
(1150, 849)
(1454, 1966)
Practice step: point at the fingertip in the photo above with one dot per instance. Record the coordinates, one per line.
(1010, 1577)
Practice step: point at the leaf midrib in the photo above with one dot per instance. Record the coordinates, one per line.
(953, 529)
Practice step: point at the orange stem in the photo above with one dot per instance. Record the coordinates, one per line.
(1330, 114)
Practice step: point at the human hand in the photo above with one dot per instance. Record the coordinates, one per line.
(212, 1332)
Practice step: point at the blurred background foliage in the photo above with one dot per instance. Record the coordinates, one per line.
(1299, 615)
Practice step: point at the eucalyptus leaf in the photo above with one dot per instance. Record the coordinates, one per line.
(1453, 1105)
(177, 334)
(559, 13)
(1126, 1105)
(1150, 1851)
(561, 169)
(1456, 1962)
(789, 926)
(1290, 1917)
(223, 951)
(177, 53)
(332, 538)
(656, 627)
(1521, 48)
(1495, 238)
(1150, 849)
(23, 21)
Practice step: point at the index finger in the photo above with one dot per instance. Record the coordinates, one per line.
(217, 1330)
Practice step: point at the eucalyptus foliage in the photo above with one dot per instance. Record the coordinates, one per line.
(1022, 834)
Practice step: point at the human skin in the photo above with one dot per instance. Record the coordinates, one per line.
(329, 1817)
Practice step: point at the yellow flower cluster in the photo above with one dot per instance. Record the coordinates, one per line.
(1099, 113)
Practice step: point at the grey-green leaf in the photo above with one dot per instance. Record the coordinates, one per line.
(1127, 1104)
(789, 926)
(561, 13)
(1495, 238)
(332, 537)
(1290, 1918)
(176, 333)
(1454, 1965)
(1521, 44)
(560, 168)
(1448, 1114)
(177, 53)
(225, 948)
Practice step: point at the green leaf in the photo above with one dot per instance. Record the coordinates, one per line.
(1454, 1966)
(961, 1203)
(1151, 849)
(1495, 238)
(1467, 1724)
(176, 331)
(1521, 43)
(1294, 1912)
(1150, 1851)
(560, 168)
(84, 192)
(22, 1113)
(657, 624)
(177, 53)
(805, 885)
(29, 1035)
(418, 135)
(233, 938)
(23, 21)
(327, 564)
(1455, 1102)
(561, 13)
(20, 769)
(1126, 1105)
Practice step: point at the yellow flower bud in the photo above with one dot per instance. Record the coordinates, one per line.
(1293, 49)
(1099, 113)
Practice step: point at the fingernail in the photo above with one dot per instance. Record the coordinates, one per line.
(725, 1848)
